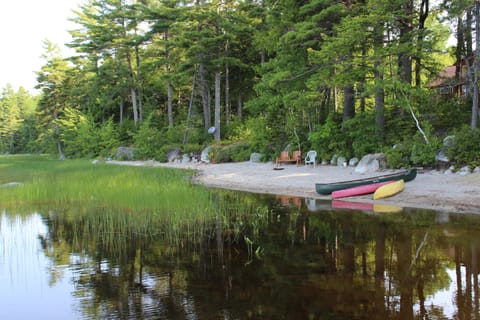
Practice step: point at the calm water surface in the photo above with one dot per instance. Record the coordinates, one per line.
(292, 259)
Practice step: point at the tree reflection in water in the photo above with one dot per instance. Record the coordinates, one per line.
(266, 257)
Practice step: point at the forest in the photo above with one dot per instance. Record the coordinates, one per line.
(345, 78)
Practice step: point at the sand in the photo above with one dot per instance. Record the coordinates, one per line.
(431, 189)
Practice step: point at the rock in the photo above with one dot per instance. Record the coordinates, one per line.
(127, 153)
(185, 159)
(204, 155)
(371, 163)
(450, 170)
(464, 171)
(256, 157)
(333, 161)
(341, 161)
(353, 162)
(11, 184)
(441, 156)
(173, 155)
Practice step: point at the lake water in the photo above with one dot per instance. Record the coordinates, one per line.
(294, 258)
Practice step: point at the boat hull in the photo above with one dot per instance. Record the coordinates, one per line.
(389, 190)
(359, 190)
(328, 188)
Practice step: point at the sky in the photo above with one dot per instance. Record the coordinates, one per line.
(24, 25)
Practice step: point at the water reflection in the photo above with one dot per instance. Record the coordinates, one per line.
(28, 289)
(289, 258)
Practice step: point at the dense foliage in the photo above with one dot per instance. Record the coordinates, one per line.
(344, 78)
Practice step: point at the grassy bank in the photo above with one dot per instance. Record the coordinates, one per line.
(45, 181)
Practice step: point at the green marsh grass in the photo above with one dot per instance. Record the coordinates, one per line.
(162, 192)
(113, 205)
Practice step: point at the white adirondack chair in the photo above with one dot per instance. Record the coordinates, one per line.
(310, 158)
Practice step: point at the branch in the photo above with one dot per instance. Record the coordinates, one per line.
(415, 118)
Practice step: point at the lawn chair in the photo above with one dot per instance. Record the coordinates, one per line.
(310, 158)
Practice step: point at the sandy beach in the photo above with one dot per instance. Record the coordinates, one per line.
(431, 189)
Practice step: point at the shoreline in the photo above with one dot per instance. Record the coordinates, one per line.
(431, 189)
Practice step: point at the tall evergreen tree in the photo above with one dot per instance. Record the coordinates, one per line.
(52, 80)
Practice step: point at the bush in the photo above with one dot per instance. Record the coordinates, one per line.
(236, 152)
(361, 131)
(398, 156)
(324, 138)
(465, 148)
(149, 141)
(423, 153)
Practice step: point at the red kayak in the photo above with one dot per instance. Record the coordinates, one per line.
(358, 191)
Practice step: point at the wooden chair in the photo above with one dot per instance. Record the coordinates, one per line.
(285, 157)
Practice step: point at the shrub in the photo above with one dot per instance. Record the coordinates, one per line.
(398, 156)
(423, 153)
(361, 131)
(149, 141)
(324, 138)
(239, 151)
(465, 148)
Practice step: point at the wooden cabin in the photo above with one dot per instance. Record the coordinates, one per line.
(446, 83)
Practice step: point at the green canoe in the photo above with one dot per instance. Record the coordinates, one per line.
(328, 188)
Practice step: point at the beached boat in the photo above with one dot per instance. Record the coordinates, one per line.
(329, 187)
(389, 190)
(359, 190)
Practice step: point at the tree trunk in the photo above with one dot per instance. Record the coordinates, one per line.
(227, 94)
(218, 79)
(476, 11)
(205, 96)
(169, 84)
(133, 93)
(424, 9)
(468, 35)
(121, 110)
(239, 107)
(378, 84)
(190, 105)
(348, 102)
(138, 83)
(169, 102)
(459, 51)
(404, 58)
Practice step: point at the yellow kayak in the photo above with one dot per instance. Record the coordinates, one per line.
(389, 190)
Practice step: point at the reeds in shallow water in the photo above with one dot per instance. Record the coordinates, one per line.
(112, 206)
(79, 182)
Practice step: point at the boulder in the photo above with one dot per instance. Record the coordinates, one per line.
(464, 171)
(341, 161)
(173, 155)
(204, 155)
(11, 184)
(353, 162)
(126, 153)
(450, 170)
(441, 156)
(371, 163)
(256, 157)
(333, 161)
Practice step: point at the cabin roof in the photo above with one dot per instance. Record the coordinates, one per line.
(444, 78)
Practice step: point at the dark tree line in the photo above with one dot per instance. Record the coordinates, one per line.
(342, 77)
